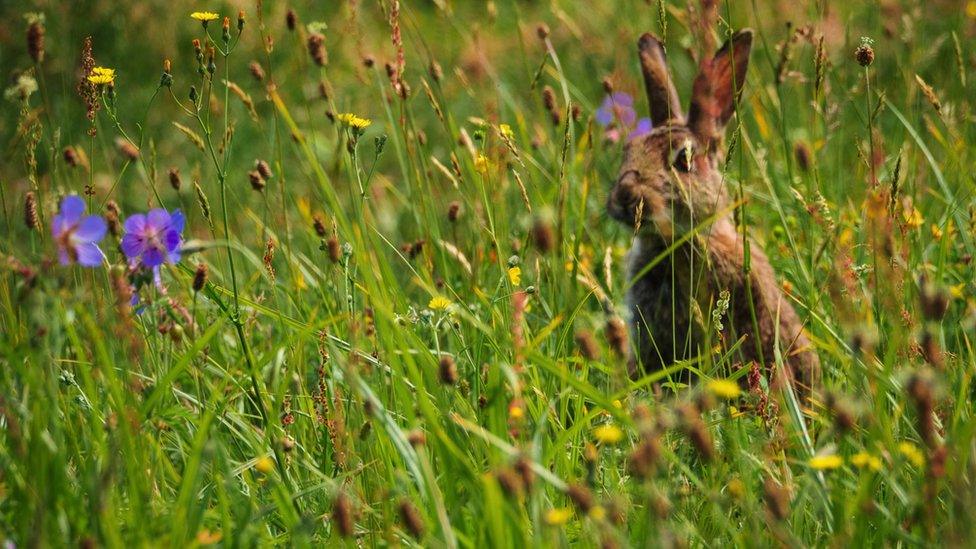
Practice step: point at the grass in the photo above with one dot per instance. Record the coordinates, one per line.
(364, 366)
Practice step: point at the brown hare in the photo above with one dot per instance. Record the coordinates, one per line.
(670, 182)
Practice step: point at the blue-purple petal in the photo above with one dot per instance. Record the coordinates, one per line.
(157, 220)
(135, 223)
(153, 257)
(132, 245)
(89, 254)
(72, 207)
(91, 229)
(644, 127)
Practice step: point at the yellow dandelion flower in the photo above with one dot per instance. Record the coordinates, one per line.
(864, 460)
(264, 465)
(204, 16)
(936, 231)
(558, 517)
(100, 79)
(913, 219)
(355, 122)
(101, 76)
(724, 388)
(825, 462)
(957, 290)
(516, 412)
(971, 9)
(481, 164)
(515, 276)
(506, 131)
(608, 434)
(439, 303)
(912, 454)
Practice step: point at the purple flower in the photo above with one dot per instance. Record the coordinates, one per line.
(644, 127)
(77, 235)
(619, 107)
(154, 238)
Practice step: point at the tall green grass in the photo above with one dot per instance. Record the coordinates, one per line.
(314, 391)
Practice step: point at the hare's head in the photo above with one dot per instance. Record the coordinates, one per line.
(670, 178)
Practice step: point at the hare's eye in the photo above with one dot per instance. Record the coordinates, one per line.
(682, 159)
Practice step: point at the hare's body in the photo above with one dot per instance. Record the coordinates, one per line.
(670, 184)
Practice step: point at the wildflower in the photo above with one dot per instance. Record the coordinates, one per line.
(643, 127)
(558, 517)
(101, 76)
(357, 123)
(154, 238)
(204, 17)
(912, 454)
(77, 236)
(481, 164)
(264, 465)
(617, 107)
(316, 49)
(439, 303)
(506, 131)
(825, 462)
(608, 434)
(515, 276)
(724, 388)
(864, 460)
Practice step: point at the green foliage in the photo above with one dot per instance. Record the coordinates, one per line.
(363, 361)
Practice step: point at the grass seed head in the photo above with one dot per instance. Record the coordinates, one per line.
(31, 218)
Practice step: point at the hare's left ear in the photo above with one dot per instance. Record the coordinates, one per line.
(717, 86)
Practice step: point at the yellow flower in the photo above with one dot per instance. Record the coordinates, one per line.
(912, 454)
(506, 131)
(439, 303)
(558, 517)
(724, 388)
(515, 276)
(913, 219)
(481, 164)
(204, 16)
(608, 434)
(936, 231)
(355, 122)
(206, 537)
(971, 9)
(827, 461)
(101, 76)
(865, 460)
(516, 412)
(598, 512)
(735, 413)
(264, 465)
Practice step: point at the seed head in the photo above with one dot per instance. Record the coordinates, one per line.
(264, 169)
(316, 48)
(587, 345)
(70, 156)
(411, 518)
(542, 236)
(31, 218)
(335, 251)
(777, 499)
(447, 370)
(616, 334)
(127, 149)
(343, 515)
(35, 38)
(200, 277)
(291, 19)
(319, 225)
(257, 71)
(453, 211)
(542, 31)
(257, 182)
(581, 496)
(174, 178)
(864, 54)
(112, 215)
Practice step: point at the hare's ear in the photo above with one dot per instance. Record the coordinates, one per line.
(661, 94)
(717, 86)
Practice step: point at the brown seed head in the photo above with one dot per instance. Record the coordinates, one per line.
(581, 496)
(200, 277)
(316, 49)
(616, 334)
(174, 178)
(343, 515)
(864, 55)
(257, 71)
(257, 182)
(263, 168)
(410, 516)
(31, 218)
(453, 211)
(447, 370)
(35, 41)
(586, 344)
(319, 225)
(542, 31)
(291, 19)
(777, 499)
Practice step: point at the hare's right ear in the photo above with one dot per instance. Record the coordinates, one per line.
(661, 93)
(717, 87)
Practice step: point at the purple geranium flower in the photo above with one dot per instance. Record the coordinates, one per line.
(617, 106)
(77, 235)
(644, 127)
(154, 238)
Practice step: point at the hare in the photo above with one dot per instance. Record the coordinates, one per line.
(670, 181)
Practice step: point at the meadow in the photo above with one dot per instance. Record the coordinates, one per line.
(342, 274)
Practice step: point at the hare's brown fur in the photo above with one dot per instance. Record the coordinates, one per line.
(670, 183)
